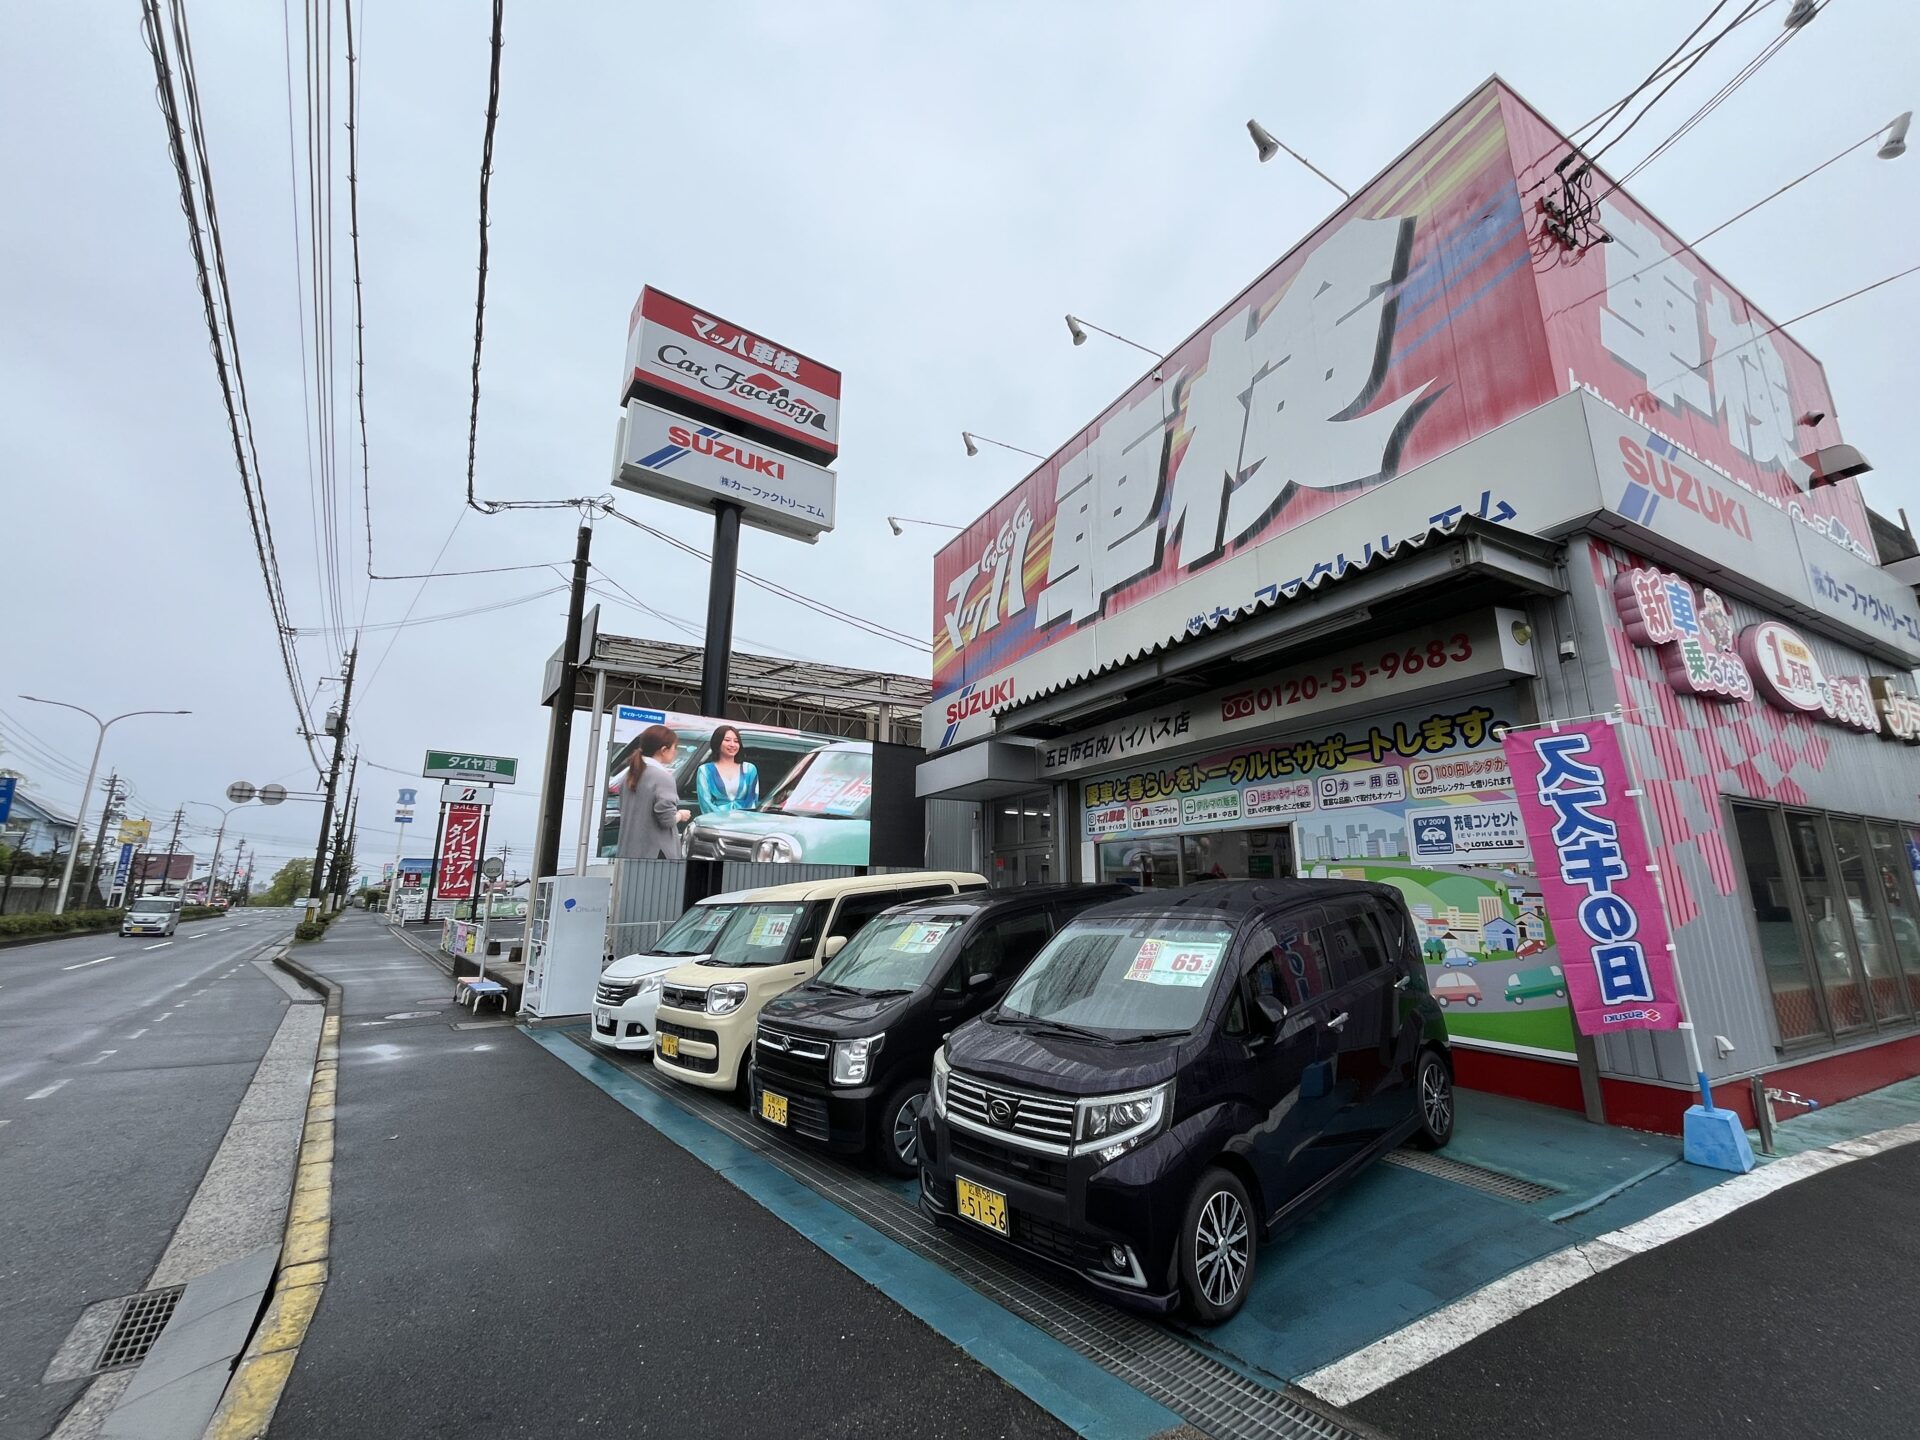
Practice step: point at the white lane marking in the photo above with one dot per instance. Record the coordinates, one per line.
(158, 1018)
(101, 1056)
(1439, 1333)
(42, 1094)
(161, 946)
(223, 929)
(84, 963)
(138, 1033)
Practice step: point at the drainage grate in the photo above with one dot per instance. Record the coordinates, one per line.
(138, 1327)
(1474, 1177)
(1154, 1359)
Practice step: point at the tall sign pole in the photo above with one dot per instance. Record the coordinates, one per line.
(553, 788)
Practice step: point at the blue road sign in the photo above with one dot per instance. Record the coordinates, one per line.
(6, 797)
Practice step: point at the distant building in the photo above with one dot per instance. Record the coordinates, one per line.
(1532, 927)
(1500, 933)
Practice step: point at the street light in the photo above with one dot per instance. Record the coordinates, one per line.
(967, 437)
(213, 868)
(93, 769)
(1268, 146)
(894, 522)
(1077, 328)
(1896, 145)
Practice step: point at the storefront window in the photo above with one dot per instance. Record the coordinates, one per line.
(1022, 830)
(1781, 952)
(1148, 864)
(1893, 864)
(1827, 922)
(1876, 951)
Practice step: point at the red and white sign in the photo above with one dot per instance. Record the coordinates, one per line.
(460, 853)
(1791, 678)
(678, 354)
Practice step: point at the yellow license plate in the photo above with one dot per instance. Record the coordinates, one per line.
(670, 1046)
(981, 1205)
(773, 1107)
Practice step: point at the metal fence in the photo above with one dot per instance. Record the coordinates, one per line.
(648, 895)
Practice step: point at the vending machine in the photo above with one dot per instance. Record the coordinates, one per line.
(567, 944)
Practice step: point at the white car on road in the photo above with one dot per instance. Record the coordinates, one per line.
(151, 915)
(628, 994)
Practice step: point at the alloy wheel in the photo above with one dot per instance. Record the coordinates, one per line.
(1436, 1098)
(906, 1130)
(1220, 1255)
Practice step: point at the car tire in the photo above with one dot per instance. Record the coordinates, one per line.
(1473, 999)
(1218, 1244)
(1433, 1095)
(1441, 1001)
(902, 1107)
(1560, 994)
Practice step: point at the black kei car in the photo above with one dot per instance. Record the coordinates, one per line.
(851, 1051)
(1180, 1075)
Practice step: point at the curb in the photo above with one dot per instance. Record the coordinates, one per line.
(253, 1392)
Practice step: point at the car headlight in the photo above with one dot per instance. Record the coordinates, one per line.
(651, 984)
(853, 1059)
(1111, 1125)
(777, 849)
(725, 999)
(940, 1071)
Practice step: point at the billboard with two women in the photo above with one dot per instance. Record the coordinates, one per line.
(692, 786)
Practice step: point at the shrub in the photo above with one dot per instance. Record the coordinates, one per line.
(310, 930)
(47, 923)
(201, 912)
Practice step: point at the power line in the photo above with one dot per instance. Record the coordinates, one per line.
(359, 310)
(224, 345)
(465, 614)
(480, 298)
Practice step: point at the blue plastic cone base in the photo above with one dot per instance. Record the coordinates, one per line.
(1716, 1139)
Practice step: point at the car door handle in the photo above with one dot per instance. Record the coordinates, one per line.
(1403, 982)
(1338, 1022)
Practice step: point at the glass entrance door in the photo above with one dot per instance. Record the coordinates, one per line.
(1164, 861)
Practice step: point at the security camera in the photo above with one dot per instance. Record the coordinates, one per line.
(1569, 650)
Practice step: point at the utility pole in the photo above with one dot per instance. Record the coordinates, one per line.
(239, 854)
(173, 844)
(546, 855)
(348, 814)
(316, 885)
(100, 836)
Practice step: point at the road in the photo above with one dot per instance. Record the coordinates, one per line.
(516, 1255)
(1795, 1315)
(122, 1061)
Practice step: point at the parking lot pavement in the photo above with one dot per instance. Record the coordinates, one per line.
(1795, 1315)
(515, 1254)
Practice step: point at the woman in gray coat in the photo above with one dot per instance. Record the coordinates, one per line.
(650, 813)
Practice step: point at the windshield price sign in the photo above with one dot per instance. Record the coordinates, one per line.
(459, 765)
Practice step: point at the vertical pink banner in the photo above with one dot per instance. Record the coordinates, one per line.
(460, 853)
(1592, 854)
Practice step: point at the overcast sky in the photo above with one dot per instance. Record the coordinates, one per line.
(912, 193)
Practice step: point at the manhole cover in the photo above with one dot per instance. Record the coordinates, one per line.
(138, 1327)
(413, 1015)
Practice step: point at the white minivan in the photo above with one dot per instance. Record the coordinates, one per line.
(628, 994)
(151, 915)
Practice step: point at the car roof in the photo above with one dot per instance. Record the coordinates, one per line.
(736, 897)
(859, 884)
(1007, 898)
(1239, 898)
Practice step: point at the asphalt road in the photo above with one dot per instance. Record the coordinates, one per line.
(118, 1078)
(1796, 1315)
(516, 1255)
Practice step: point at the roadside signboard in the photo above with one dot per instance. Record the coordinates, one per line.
(460, 765)
(695, 464)
(7, 783)
(682, 355)
(135, 832)
(466, 795)
(241, 791)
(460, 853)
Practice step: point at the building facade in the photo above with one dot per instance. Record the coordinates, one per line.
(1454, 464)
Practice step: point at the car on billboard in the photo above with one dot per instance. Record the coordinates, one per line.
(1451, 986)
(1535, 984)
(773, 750)
(821, 814)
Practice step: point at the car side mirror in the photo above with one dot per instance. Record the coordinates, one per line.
(980, 982)
(835, 944)
(1272, 1010)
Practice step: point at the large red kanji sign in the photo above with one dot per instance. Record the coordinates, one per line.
(460, 853)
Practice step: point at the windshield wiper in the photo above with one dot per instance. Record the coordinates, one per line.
(1057, 1027)
(1145, 1035)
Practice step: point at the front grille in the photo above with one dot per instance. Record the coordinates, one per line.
(1044, 1171)
(699, 1064)
(709, 845)
(684, 997)
(1057, 1242)
(615, 992)
(786, 1042)
(1045, 1119)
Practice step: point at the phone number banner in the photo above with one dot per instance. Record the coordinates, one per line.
(1572, 785)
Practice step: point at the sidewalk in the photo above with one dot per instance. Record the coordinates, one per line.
(515, 1254)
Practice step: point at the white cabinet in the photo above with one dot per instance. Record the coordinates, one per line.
(566, 945)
